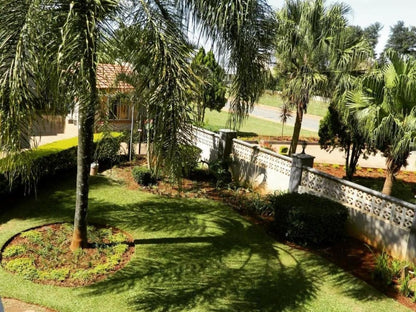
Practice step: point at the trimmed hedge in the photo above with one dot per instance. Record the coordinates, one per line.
(308, 220)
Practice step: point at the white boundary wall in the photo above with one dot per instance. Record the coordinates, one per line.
(381, 221)
(260, 167)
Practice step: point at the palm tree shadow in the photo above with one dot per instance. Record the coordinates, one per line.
(194, 255)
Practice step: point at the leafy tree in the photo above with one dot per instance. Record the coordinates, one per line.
(402, 39)
(385, 104)
(62, 36)
(370, 34)
(340, 130)
(211, 89)
(309, 38)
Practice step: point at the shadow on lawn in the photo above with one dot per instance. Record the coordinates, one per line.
(193, 255)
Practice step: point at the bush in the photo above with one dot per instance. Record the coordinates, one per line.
(190, 157)
(283, 150)
(308, 220)
(219, 169)
(143, 176)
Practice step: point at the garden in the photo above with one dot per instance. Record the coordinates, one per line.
(193, 247)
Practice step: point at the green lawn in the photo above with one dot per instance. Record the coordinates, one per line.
(252, 126)
(315, 107)
(191, 255)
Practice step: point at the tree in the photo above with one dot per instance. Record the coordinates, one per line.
(242, 28)
(402, 39)
(211, 88)
(370, 33)
(307, 38)
(285, 114)
(385, 104)
(338, 129)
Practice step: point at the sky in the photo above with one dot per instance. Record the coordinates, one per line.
(367, 12)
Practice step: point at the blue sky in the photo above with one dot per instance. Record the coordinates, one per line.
(366, 12)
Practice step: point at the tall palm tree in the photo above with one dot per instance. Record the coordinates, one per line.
(306, 41)
(385, 103)
(66, 34)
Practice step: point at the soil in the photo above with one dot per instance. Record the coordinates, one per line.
(51, 252)
(375, 173)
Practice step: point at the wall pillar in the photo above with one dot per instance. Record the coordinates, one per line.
(226, 142)
(298, 161)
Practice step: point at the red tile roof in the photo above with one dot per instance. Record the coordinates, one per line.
(107, 75)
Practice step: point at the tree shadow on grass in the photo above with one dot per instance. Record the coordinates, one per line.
(193, 255)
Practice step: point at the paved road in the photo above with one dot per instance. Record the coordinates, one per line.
(310, 122)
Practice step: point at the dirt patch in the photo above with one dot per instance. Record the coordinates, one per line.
(13, 305)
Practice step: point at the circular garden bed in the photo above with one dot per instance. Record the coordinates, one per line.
(43, 255)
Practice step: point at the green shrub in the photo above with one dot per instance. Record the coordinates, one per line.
(283, 150)
(143, 176)
(308, 220)
(14, 250)
(190, 158)
(219, 169)
(383, 271)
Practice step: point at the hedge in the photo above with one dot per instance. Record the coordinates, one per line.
(21, 173)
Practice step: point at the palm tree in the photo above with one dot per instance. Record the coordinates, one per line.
(385, 103)
(306, 41)
(71, 31)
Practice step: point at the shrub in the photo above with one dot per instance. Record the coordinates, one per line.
(143, 176)
(190, 157)
(308, 220)
(283, 150)
(219, 169)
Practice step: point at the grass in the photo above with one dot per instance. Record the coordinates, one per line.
(318, 108)
(191, 255)
(252, 126)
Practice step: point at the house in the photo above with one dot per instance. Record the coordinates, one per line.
(114, 104)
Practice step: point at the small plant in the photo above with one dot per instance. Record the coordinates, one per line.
(382, 270)
(32, 236)
(14, 250)
(335, 166)
(380, 170)
(143, 176)
(219, 169)
(283, 150)
(370, 170)
(404, 286)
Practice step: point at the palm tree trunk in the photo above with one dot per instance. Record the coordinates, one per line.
(388, 183)
(85, 148)
(391, 170)
(296, 130)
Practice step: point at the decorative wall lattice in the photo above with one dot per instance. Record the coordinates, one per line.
(372, 203)
(261, 157)
(206, 138)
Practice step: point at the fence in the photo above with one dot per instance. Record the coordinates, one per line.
(380, 220)
(260, 167)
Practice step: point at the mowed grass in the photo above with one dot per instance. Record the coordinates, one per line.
(252, 126)
(191, 255)
(315, 107)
